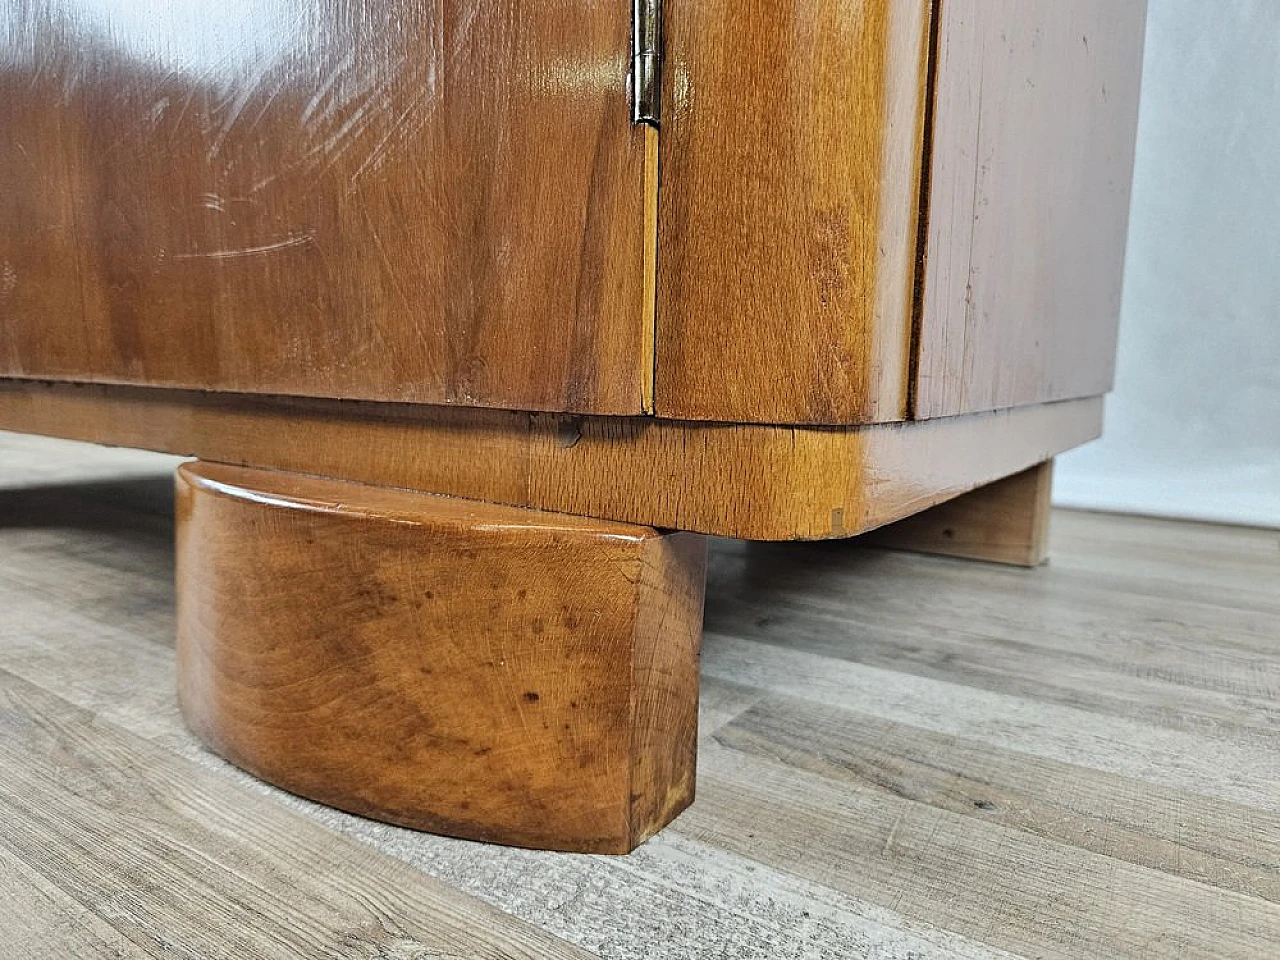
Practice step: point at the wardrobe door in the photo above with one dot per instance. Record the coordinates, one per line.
(792, 135)
(437, 201)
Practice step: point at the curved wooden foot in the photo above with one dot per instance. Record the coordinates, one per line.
(487, 672)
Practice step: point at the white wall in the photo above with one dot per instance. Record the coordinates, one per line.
(1193, 428)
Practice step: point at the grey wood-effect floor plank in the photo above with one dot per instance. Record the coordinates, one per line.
(721, 702)
(1115, 710)
(1211, 692)
(1244, 772)
(924, 606)
(37, 919)
(1197, 838)
(1068, 603)
(34, 461)
(186, 865)
(1005, 887)
(1038, 635)
(1164, 558)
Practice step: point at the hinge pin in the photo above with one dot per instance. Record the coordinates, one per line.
(646, 62)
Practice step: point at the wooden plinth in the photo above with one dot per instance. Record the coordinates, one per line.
(749, 481)
(487, 672)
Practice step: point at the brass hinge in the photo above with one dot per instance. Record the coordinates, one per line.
(646, 62)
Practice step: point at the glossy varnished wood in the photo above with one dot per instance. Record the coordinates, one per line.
(1002, 522)
(791, 152)
(470, 669)
(1035, 117)
(753, 481)
(415, 200)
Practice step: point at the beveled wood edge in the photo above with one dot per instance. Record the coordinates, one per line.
(321, 494)
(665, 664)
(750, 481)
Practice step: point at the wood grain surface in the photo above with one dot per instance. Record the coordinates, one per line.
(197, 860)
(413, 200)
(1035, 118)
(902, 757)
(470, 669)
(754, 481)
(791, 150)
(1002, 522)
(40, 919)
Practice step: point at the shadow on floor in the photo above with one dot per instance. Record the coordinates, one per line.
(138, 503)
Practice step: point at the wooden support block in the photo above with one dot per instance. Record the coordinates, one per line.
(487, 672)
(1003, 522)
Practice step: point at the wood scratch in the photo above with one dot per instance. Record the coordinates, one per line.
(893, 833)
(241, 252)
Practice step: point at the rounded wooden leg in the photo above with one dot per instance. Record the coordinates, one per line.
(487, 672)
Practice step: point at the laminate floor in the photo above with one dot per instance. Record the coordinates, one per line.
(902, 757)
